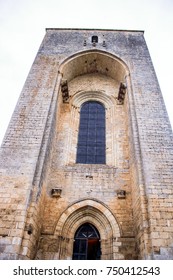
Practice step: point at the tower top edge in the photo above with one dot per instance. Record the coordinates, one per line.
(94, 29)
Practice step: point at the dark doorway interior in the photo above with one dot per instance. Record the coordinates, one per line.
(87, 243)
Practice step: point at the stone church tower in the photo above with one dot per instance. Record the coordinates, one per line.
(86, 165)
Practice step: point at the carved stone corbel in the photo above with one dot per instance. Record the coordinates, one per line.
(121, 94)
(64, 89)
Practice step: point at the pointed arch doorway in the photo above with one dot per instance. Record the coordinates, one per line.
(87, 243)
(100, 217)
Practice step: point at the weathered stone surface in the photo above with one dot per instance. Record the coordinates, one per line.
(38, 153)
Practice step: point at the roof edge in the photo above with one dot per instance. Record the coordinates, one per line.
(95, 29)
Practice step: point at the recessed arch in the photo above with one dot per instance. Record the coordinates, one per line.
(96, 213)
(94, 61)
(93, 65)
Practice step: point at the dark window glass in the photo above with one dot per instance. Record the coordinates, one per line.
(91, 137)
(87, 243)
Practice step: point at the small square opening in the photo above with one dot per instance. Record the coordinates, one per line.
(94, 39)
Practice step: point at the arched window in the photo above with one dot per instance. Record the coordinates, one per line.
(87, 243)
(91, 137)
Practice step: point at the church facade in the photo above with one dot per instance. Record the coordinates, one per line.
(86, 165)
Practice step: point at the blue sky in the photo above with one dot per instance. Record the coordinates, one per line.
(23, 23)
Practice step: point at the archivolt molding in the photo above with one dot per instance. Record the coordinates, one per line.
(80, 97)
(87, 211)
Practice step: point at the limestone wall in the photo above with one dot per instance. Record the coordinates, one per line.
(39, 151)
